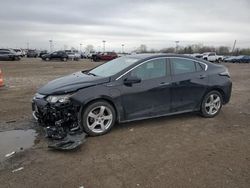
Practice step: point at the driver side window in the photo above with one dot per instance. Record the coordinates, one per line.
(152, 69)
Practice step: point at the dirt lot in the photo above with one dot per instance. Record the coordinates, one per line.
(181, 151)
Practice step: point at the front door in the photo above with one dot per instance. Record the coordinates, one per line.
(151, 96)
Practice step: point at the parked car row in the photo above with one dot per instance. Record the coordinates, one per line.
(75, 55)
(208, 56)
(237, 59)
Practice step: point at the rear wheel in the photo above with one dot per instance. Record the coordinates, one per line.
(98, 118)
(46, 59)
(211, 104)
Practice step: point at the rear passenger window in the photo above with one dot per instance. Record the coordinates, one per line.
(182, 66)
(152, 69)
(198, 67)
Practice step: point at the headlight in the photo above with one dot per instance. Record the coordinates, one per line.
(58, 98)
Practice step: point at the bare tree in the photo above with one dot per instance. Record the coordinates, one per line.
(89, 48)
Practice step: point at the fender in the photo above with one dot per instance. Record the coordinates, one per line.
(112, 95)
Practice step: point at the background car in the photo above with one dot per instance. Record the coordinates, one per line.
(32, 53)
(245, 59)
(212, 57)
(235, 59)
(8, 50)
(8, 55)
(43, 52)
(57, 55)
(197, 55)
(106, 56)
(89, 54)
(19, 52)
(240, 59)
(73, 55)
(229, 59)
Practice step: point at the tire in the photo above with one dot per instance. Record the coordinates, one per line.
(98, 118)
(47, 59)
(95, 58)
(211, 104)
(64, 59)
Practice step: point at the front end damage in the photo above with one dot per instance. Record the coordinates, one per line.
(61, 122)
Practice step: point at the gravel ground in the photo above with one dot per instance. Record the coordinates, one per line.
(179, 151)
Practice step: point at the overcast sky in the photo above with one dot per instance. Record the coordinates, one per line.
(156, 23)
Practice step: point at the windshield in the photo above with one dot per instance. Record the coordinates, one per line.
(113, 67)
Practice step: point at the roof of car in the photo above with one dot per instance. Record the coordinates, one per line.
(155, 55)
(148, 56)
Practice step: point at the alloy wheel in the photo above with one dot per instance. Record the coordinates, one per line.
(213, 104)
(99, 119)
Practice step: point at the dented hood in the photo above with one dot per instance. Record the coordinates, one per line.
(71, 83)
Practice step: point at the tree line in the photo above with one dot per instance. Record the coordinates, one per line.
(196, 48)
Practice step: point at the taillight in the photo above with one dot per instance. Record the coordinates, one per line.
(225, 73)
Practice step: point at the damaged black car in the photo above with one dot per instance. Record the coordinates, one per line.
(130, 88)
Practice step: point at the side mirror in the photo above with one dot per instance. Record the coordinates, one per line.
(131, 80)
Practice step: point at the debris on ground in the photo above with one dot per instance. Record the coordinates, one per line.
(12, 121)
(70, 142)
(10, 154)
(18, 169)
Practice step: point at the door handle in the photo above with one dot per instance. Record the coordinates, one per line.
(202, 76)
(164, 83)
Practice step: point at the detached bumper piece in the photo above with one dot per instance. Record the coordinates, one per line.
(69, 142)
(61, 124)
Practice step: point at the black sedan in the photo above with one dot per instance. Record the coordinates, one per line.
(131, 88)
(58, 55)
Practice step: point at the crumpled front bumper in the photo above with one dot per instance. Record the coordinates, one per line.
(61, 122)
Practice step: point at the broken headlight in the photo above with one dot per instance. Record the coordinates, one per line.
(58, 98)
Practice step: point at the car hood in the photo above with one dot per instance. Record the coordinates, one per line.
(71, 83)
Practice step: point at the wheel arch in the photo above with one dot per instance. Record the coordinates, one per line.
(218, 90)
(103, 98)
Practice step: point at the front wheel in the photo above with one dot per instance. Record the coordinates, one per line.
(64, 59)
(211, 104)
(98, 118)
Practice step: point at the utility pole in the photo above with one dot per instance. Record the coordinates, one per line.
(122, 48)
(234, 46)
(80, 47)
(176, 47)
(51, 45)
(104, 45)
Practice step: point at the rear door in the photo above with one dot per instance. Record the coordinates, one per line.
(189, 83)
(151, 96)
